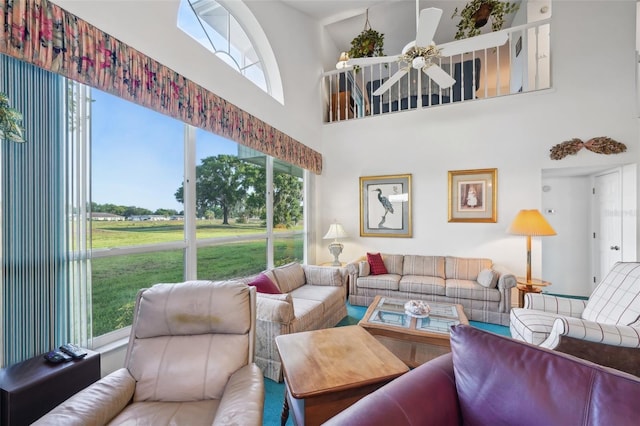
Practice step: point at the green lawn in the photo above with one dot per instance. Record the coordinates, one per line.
(117, 279)
(127, 233)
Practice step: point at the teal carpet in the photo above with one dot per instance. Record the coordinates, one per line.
(274, 392)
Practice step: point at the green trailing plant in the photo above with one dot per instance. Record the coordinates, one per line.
(10, 120)
(475, 14)
(368, 43)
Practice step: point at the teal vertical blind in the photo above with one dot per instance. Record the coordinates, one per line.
(40, 283)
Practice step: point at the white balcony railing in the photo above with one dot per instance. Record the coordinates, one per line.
(521, 65)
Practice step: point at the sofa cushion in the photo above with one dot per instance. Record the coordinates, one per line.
(616, 300)
(263, 284)
(289, 277)
(307, 314)
(393, 263)
(465, 268)
(320, 275)
(422, 284)
(326, 295)
(384, 282)
(376, 264)
(432, 266)
(468, 289)
(364, 268)
(488, 278)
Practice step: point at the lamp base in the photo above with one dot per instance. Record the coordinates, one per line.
(335, 249)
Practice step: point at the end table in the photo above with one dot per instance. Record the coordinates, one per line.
(533, 286)
(31, 388)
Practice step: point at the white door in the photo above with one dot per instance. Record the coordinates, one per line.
(607, 223)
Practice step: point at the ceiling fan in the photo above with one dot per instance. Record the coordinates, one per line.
(422, 53)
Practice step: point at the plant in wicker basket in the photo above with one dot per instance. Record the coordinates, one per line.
(367, 44)
(599, 145)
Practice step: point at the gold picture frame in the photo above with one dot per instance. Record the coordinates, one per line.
(473, 195)
(385, 206)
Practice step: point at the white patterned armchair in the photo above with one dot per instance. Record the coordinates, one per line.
(604, 329)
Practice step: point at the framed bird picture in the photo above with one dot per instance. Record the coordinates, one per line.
(385, 206)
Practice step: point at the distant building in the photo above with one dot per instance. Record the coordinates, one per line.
(151, 217)
(108, 217)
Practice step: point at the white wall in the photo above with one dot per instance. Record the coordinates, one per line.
(590, 97)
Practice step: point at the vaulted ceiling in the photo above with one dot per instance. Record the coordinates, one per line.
(396, 19)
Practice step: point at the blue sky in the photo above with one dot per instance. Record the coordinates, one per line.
(137, 154)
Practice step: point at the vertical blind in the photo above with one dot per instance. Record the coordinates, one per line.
(40, 223)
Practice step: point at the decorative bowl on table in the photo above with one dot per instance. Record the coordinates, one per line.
(417, 308)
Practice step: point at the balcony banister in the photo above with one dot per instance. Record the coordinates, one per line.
(520, 65)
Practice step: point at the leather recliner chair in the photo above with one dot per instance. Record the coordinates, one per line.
(489, 379)
(189, 362)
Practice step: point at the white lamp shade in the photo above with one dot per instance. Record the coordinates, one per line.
(335, 231)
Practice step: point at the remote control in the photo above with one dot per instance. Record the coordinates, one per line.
(75, 351)
(55, 356)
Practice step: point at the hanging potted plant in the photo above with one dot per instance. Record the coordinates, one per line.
(477, 13)
(10, 119)
(368, 43)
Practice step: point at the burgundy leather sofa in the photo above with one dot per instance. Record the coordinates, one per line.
(494, 380)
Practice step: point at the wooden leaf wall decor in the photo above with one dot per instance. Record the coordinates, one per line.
(599, 145)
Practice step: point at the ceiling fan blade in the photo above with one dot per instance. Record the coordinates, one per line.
(427, 25)
(471, 44)
(390, 82)
(372, 60)
(440, 76)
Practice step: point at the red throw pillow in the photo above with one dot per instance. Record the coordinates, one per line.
(263, 284)
(376, 263)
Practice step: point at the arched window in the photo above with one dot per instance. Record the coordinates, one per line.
(232, 33)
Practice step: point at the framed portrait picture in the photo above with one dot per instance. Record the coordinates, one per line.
(385, 206)
(473, 195)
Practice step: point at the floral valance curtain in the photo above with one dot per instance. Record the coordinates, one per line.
(49, 37)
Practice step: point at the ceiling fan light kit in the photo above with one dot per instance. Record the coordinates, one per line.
(424, 53)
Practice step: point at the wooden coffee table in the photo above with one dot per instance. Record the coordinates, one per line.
(413, 340)
(326, 371)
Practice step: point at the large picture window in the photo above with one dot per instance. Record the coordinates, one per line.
(140, 221)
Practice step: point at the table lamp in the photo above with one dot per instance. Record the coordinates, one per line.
(335, 248)
(342, 61)
(530, 223)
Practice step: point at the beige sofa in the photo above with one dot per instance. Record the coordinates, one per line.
(313, 297)
(438, 279)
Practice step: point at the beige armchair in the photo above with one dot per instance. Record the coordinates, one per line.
(604, 329)
(189, 362)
